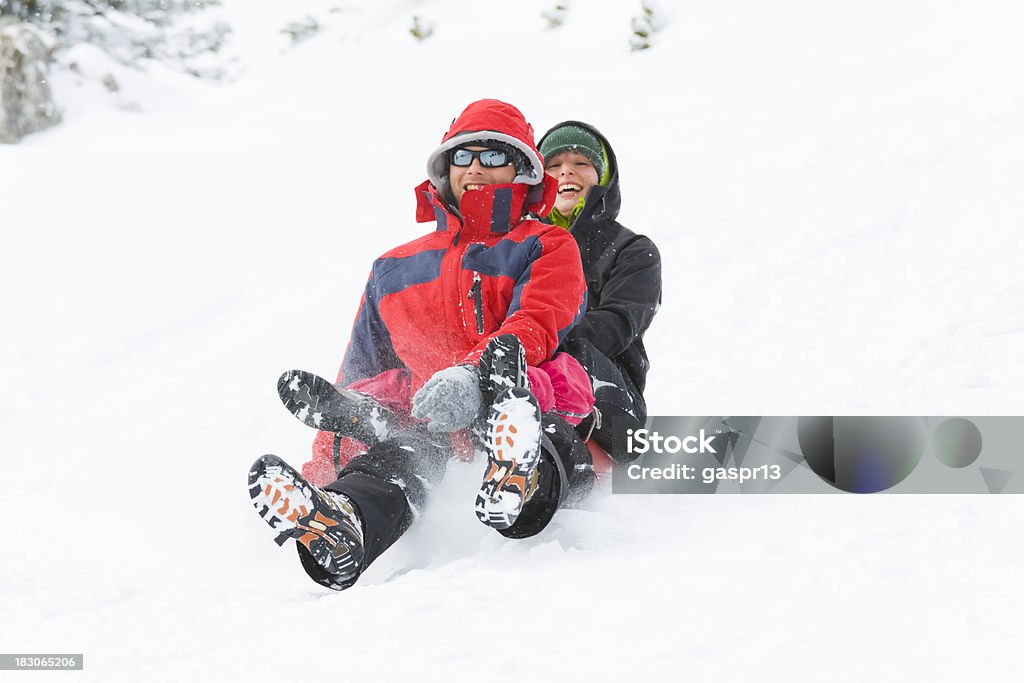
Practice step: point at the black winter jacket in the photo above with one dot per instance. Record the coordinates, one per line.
(623, 272)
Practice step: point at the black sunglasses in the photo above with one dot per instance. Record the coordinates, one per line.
(489, 158)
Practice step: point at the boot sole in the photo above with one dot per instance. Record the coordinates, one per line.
(288, 504)
(513, 444)
(317, 403)
(502, 366)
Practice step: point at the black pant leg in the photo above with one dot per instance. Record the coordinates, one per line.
(617, 399)
(565, 477)
(385, 484)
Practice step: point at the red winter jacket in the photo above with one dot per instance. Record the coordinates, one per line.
(436, 301)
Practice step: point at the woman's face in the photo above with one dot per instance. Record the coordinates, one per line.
(575, 175)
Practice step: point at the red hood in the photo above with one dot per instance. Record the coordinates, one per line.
(493, 115)
(488, 120)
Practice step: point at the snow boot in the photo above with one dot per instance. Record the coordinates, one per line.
(513, 446)
(319, 404)
(324, 523)
(502, 366)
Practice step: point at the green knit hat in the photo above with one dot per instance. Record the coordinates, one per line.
(575, 139)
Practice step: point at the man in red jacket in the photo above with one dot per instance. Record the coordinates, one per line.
(445, 330)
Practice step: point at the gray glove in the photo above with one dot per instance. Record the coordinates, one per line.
(450, 400)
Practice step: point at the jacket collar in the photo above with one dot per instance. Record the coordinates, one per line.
(493, 209)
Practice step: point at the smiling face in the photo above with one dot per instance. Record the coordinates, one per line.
(575, 175)
(475, 175)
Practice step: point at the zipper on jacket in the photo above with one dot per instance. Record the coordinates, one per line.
(476, 294)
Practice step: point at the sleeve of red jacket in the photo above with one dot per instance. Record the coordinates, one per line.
(370, 351)
(549, 298)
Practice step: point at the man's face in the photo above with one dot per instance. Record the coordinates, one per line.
(575, 175)
(476, 175)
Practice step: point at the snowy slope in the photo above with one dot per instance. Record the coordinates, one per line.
(835, 192)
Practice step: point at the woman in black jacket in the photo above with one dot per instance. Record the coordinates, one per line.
(623, 273)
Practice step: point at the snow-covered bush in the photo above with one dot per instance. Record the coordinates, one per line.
(421, 30)
(302, 30)
(644, 26)
(170, 31)
(555, 17)
(25, 101)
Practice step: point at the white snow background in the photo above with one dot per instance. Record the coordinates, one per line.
(836, 190)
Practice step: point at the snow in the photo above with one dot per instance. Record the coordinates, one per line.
(836, 195)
